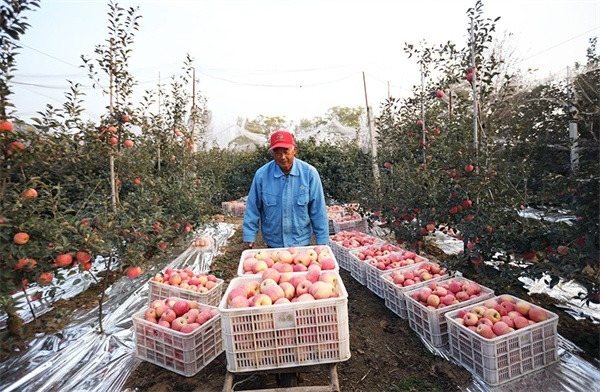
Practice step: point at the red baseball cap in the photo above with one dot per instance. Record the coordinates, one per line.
(282, 139)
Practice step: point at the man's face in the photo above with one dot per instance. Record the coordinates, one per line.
(284, 157)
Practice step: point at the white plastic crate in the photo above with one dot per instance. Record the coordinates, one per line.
(250, 252)
(357, 224)
(182, 353)
(431, 324)
(342, 254)
(285, 335)
(358, 267)
(507, 357)
(373, 276)
(394, 294)
(164, 291)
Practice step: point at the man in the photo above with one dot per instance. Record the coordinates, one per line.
(286, 199)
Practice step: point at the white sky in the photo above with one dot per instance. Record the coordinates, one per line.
(252, 56)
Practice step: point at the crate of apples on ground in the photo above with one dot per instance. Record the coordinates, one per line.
(178, 334)
(292, 259)
(372, 255)
(397, 282)
(503, 338)
(391, 262)
(345, 241)
(187, 284)
(426, 306)
(285, 319)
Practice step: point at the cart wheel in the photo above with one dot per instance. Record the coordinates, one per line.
(287, 380)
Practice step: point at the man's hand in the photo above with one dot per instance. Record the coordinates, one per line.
(249, 245)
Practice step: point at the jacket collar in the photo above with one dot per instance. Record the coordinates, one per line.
(294, 172)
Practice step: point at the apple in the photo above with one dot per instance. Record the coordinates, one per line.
(424, 293)
(449, 299)
(321, 290)
(485, 331)
(133, 271)
(304, 298)
(285, 277)
(150, 315)
(486, 321)
(492, 315)
(330, 277)
(501, 328)
(303, 287)
(262, 300)
(537, 314)
(490, 303)
(520, 322)
(327, 264)
(259, 266)
(271, 273)
(21, 238)
(522, 307)
(264, 284)
(175, 279)
(285, 256)
(63, 260)
(191, 315)
(313, 273)
(299, 268)
(470, 319)
(239, 301)
(274, 292)
(454, 286)
(302, 258)
(433, 300)
(462, 296)
(181, 307)
(178, 323)
(508, 321)
(479, 310)
(239, 291)
(288, 290)
(251, 288)
(248, 264)
(168, 315)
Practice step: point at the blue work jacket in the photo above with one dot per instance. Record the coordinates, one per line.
(287, 208)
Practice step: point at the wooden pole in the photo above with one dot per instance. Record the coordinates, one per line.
(474, 89)
(423, 140)
(161, 123)
(111, 161)
(374, 165)
(193, 114)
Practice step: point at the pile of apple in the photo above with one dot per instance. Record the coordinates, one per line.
(354, 216)
(387, 256)
(186, 279)
(437, 295)
(274, 288)
(179, 314)
(420, 273)
(352, 239)
(499, 316)
(288, 260)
